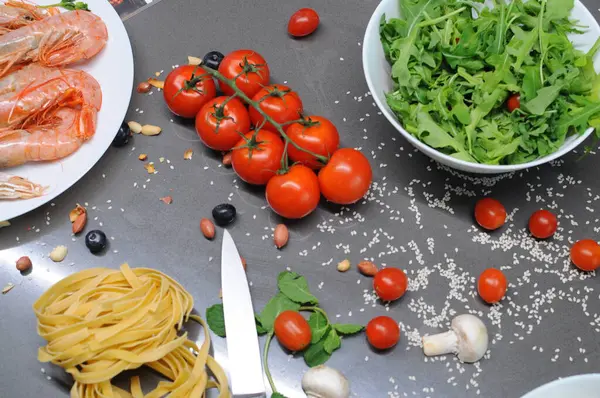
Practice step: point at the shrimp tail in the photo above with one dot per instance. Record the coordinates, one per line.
(13, 187)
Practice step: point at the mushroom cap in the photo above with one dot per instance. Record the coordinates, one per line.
(325, 382)
(472, 337)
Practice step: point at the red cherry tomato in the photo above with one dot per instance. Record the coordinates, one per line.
(303, 22)
(390, 283)
(318, 135)
(187, 88)
(346, 178)
(490, 214)
(219, 126)
(542, 224)
(250, 68)
(279, 102)
(383, 332)
(513, 102)
(585, 254)
(257, 157)
(294, 194)
(292, 330)
(492, 285)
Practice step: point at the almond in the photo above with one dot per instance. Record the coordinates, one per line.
(58, 254)
(157, 83)
(143, 87)
(367, 268)
(142, 157)
(208, 228)
(135, 126)
(194, 60)
(79, 223)
(24, 264)
(187, 155)
(76, 212)
(148, 129)
(281, 236)
(227, 159)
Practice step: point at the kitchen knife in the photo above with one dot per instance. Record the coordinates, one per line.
(243, 352)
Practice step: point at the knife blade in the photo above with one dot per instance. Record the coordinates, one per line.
(243, 351)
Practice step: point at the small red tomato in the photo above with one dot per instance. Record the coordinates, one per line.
(219, 126)
(292, 330)
(513, 102)
(316, 134)
(492, 285)
(187, 88)
(490, 214)
(279, 102)
(346, 178)
(257, 157)
(294, 194)
(542, 224)
(248, 68)
(303, 22)
(390, 283)
(383, 332)
(585, 254)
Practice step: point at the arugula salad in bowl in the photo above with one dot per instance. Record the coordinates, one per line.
(500, 85)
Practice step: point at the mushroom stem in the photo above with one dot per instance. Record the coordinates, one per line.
(440, 344)
(325, 382)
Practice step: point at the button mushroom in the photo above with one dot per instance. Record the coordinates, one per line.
(325, 382)
(467, 338)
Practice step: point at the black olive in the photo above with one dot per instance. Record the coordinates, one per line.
(95, 241)
(213, 59)
(224, 214)
(123, 135)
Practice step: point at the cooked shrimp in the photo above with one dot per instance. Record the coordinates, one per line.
(15, 14)
(13, 187)
(35, 88)
(54, 41)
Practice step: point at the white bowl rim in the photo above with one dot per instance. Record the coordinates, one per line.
(547, 388)
(373, 26)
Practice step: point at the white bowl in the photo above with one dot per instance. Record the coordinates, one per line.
(581, 386)
(378, 75)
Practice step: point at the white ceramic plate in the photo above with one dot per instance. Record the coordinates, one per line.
(113, 68)
(581, 386)
(378, 75)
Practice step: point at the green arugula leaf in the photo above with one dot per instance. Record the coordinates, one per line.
(545, 97)
(318, 326)
(216, 320)
(316, 355)
(332, 342)
(347, 328)
(295, 287)
(274, 307)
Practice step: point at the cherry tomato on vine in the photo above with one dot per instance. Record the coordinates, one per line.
(346, 178)
(490, 214)
(292, 330)
(303, 22)
(316, 134)
(513, 102)
(253, 68)
(383, 332)
(585, 254)
(187, 88)
(492, 285)
(542, 224)
(279, 102)
(257, 157)
(294, 194)
(390, 283)
(219, 126)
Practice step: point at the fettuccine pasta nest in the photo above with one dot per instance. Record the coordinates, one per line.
(101, 322)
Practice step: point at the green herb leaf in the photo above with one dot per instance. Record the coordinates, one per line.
(332, 342)
(277, 395)
(316, 355)
(295, 287)
(318, 326)
(260, 330)
(274, 307)
(347, 328)
(545, 97)
(216, 319)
